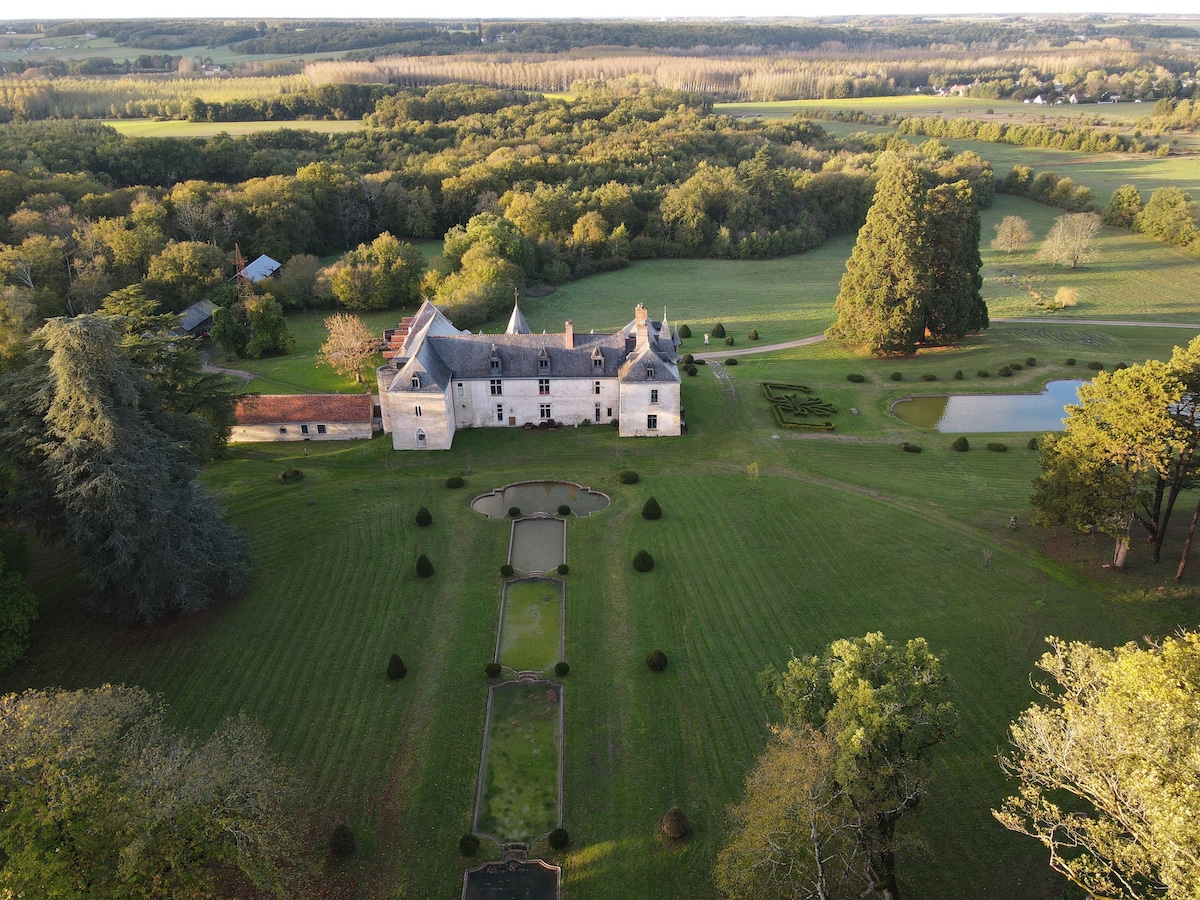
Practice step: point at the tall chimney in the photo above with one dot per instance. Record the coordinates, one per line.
(569, 336)
(641, 318)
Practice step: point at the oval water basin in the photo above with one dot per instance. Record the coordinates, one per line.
(532, 497)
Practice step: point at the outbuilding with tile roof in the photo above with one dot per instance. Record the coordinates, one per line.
(304, 417)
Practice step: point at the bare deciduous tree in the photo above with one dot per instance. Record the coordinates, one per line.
(351, 343)
(1072, 240)
(1012, 233)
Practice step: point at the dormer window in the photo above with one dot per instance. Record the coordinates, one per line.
(544, 364)
(495, 363)
(416, 381)
(597, 359)
(649, 371)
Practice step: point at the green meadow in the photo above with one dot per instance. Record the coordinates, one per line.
(772, 542)
(180, 129)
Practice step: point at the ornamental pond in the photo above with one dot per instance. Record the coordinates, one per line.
(982, 413)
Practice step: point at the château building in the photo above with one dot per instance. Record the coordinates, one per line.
(439, 379)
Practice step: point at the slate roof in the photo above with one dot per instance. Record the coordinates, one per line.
(267, 409)
(196, 315)
(263, 267)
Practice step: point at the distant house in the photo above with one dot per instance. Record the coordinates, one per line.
(304, 417)
(197, 319)
(263, 267)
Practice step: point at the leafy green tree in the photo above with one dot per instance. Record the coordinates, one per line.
(229, 331)
(101, 799)
(883, 707)
(795, 833)
(269, 332)
(1107, 768)
(84, 431)
(1170, 216)
(954, 305)
(184, 273)
(1123, 208)
(384, 273)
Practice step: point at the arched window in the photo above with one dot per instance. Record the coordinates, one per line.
(420, 437)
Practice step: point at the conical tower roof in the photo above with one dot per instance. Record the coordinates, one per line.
(516, 322)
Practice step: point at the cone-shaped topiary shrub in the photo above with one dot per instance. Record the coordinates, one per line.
(675, 824)
(656, 661)
(468, 844)
(492, 670)
(718, 330)
(424, 517)
(729, 341)
(455, 481)
(651, 510)
(563, 569)
(396, 667)
(685, 332)
(753, 335)
(1033, 443)
(424, 566)
(628, 476)
(958, 375)
(961, 444)
(559, 839)
(342, 842)
(643, 562)
(561, 669)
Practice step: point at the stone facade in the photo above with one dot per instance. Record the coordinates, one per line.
(439, 379)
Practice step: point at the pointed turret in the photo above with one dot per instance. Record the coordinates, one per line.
(516, 322)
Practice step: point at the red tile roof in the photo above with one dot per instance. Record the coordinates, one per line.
(267, 409)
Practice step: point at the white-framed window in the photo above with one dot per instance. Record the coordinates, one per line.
(416, 381)
(597, 412)
(460, 389)
(653, 396)
(652, 422)
(417, 411)
(320, 429)
(649, 371)
(543, 385)
(499, 412)
(497, 387)
(544, 411)
(304, 429)
(595, 387)
(610, 412)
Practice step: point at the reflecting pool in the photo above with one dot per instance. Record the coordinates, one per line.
(991, 412)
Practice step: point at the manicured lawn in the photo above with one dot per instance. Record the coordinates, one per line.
(520, 796)
(771, 542)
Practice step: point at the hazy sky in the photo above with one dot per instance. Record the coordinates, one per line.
(491, 9)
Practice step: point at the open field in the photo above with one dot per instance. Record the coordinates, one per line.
(947, 107)
(176, 128)
(837, 535)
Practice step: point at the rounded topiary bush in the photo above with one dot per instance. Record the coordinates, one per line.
(514, 512)
(1030, 361)
(685, 332)
(643, 561)
(564, 510)
(561, 669)
(1096, 366)
(961, 445)
(731, 362)
(559, 839)
(651, 510)
(342, 842)
(702, 362)
(396, 668)
(958, 376)
(688, 359)
(1070, 360)
(507, 570)
(675, 824)
(910, 448)
(563, 569)
(1033, 443)
(928, 376)
(691, 370)
(1004, 371)
(856, 378)
(424, 566)
(753, 335)
(628, 476)
(997, 447)
(729, 342)
(982, 373)
(492, 670)
(290, 476)
(424, 517)
(896, 376)
(718, 330)
(455, 481)
(656, 661)
(468, 844)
